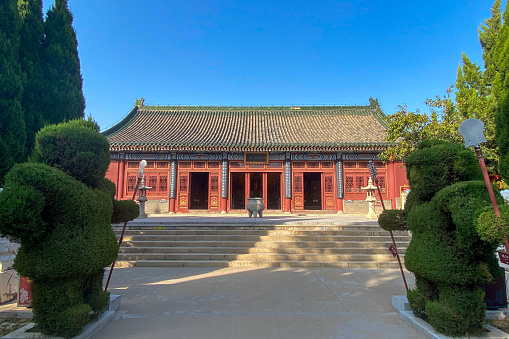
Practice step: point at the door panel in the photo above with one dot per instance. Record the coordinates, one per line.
(214, 191)
(183, 189)
(298, 191)
(329, 201)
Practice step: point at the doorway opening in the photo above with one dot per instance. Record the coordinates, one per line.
(273, 191)
(199, 191)
(238, 193)
(312, 191)
(255, 185)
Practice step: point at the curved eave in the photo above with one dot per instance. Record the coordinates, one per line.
(378, 147)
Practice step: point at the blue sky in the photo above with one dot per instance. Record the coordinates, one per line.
(279, 52)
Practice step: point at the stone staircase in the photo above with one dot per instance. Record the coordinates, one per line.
(359, 245)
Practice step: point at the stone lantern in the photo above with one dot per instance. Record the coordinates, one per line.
(370, 191)
(142, 198)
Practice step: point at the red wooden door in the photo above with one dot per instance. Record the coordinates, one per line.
(183, 192)
(298, 191)
(328, 201)
(214, 198)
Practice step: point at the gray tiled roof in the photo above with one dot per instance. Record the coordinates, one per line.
(175, 128)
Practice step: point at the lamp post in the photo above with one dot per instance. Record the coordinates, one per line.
(143, 163)
(372, 171)
(472, 131)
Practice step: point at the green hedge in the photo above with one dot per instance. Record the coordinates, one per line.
(454, 237)
(393, 220)
(59, 208)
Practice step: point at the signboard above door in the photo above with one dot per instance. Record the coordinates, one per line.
(256, 157)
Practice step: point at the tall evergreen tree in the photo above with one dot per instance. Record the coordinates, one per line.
(501, 90)
(12, 125)
(31, 38)
(474, 99)
(488, 34)
(63, 99)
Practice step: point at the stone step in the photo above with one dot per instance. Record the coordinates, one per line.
(264, 244)
(246, 232)
(245, 250)
(166, 227)
(255, 257)
(263, 238)
(303, 245)
(225, 263)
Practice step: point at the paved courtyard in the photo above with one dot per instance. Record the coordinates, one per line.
(257, 303)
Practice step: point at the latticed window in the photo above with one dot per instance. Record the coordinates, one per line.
(131, 183)
(162, 164)
(298, 184)
(237, 164)
(379, 164)
(256, 166)
(199, 164)
(184, 179)
(213, 164)
(133, 164)
(327, 164)
(185, 164)
(150, 164)
(329, 187)
(214, 184)
(152, 182)
(381, 183)
(349, 184)
(363, 164)
(350, 164)
(359, 184)
(299, 164)
(277, 164)
(313, 165)
(163, 184)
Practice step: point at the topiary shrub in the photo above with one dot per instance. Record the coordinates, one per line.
(60, 211)
(454, 237)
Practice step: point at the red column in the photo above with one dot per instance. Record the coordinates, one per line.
(224, 204)
(172, 205)
(288, 205)
(339, 205)
(121, 179)
(393, 190)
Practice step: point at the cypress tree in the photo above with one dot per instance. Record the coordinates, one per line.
(501, 90)
(12, 125)
(63, 99)
(31, 38)
(488, 34)
(474, 98)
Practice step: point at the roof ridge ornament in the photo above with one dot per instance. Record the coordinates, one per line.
(139, 102)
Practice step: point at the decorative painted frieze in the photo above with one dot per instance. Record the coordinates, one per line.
(359, 156)
(313, 157)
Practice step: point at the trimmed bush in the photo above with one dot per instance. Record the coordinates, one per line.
(454, 236)
(60, 211)
(392, 220)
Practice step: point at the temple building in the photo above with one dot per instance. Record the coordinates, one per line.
(312, 158)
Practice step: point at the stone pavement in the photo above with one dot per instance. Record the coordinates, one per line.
(293, 303)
